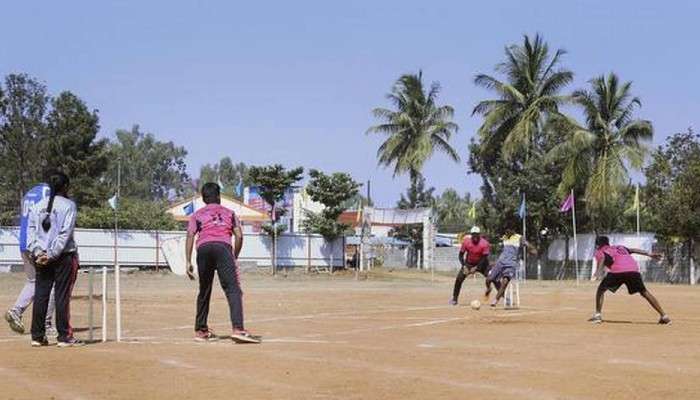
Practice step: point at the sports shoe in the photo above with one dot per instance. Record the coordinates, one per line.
(70, 342)
(596, 319)
(245, 337)
(665, 320)
(205, 336)
(15, 321)
(453, 302)
(40, 343)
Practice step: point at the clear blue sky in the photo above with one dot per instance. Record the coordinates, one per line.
(294, 81)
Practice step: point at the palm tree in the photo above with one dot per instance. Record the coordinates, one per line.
(600, 152)
(526, 97)
(415, 129)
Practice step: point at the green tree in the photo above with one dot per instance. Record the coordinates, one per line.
(529, 93)
(508, 151)
(72, 146)
(415, 128)
(600, 152)
(333, 191)
(133, 214)
(230, 175)
(23, 105)
(150, 169)
(273, 181)
(453, 211)
(672, 194)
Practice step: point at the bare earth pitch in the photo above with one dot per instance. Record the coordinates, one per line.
(391, 336)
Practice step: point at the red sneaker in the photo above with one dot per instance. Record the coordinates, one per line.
(205, 335)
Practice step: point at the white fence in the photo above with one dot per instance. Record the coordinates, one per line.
(142, 248)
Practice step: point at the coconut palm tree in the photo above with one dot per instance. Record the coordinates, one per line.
(529, 93)
(600, 152)
(415, 128)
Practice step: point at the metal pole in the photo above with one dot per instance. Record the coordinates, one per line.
(636, 199)
(524, 268)
(157, 251)
(117, 289)
(104, 303)
(573, 218)
(91, 321)
(274, 247)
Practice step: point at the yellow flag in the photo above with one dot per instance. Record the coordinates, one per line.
(359, 211)
(472, 212)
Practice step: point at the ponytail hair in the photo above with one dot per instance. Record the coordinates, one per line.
(58, 183)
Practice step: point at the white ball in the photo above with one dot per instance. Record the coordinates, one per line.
(476, 304)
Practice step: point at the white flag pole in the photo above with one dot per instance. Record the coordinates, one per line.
(104, 304)
(637, 203)
(573, 219)
(117, 290)
(523, 271)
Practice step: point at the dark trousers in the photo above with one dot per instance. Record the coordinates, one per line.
(218, 257)
(60, 273)
(482, 267)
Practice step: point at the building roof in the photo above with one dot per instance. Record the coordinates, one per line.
(245, 213)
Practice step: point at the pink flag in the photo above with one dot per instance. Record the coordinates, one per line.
(567, 204)
(273, 213)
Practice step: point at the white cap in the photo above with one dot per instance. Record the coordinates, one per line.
(475, 229)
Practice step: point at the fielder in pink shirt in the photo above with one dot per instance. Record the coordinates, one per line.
(622, 269)
(213, 227)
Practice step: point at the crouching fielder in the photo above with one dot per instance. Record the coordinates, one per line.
(622, 269)
(213, 226)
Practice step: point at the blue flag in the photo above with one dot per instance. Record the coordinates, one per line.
(189, 208)
(522, 212)
(239, 189)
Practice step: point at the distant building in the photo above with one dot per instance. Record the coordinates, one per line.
(248, 215)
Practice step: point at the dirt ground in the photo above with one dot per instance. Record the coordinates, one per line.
(390, 335)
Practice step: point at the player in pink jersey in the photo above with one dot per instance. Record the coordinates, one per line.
(213, 226)
(622, 269)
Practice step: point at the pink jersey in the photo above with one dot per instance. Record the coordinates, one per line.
(213, 223)
(475, 251)
(622, 259)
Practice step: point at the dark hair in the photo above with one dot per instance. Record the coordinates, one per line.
(602, 241)
(58, 183)
(211, 193)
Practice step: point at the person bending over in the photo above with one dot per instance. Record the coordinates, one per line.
(473, 257)
(622, 269)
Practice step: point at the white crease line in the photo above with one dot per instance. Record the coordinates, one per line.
(298, 317)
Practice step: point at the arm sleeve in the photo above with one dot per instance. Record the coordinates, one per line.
(32, 224)
(56, 247)
(487, 249)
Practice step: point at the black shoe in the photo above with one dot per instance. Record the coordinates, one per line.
(665, 320)
(41, 342)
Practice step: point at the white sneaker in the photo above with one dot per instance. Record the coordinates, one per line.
(596, 319)
(15, 321)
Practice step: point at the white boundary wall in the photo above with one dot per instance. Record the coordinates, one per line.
(142, 248)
